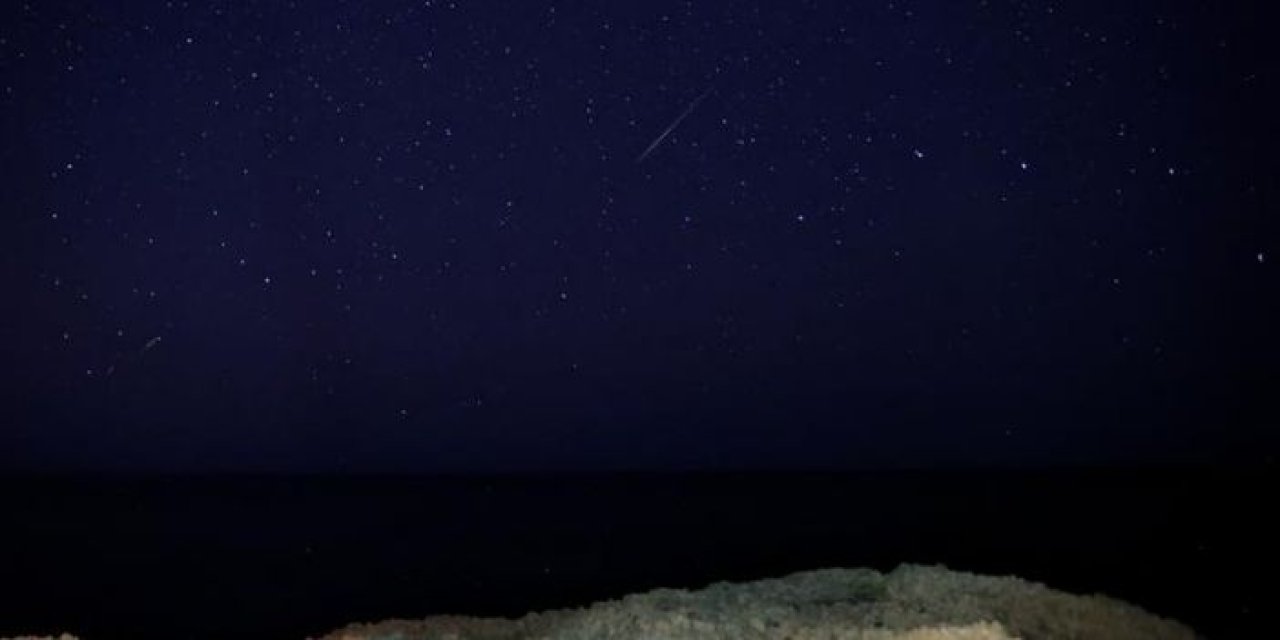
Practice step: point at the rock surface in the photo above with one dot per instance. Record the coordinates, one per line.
(909, 603)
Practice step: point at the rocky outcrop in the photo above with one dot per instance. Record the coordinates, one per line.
(909, 603)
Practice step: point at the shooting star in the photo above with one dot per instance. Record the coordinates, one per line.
(145, 348)
(672, 127)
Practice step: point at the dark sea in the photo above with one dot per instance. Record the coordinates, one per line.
(293, 557)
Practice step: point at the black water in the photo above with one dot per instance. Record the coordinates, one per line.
(271, 557)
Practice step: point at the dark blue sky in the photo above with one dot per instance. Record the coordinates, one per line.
(416, 236)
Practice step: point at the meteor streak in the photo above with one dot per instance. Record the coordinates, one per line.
(672, 127)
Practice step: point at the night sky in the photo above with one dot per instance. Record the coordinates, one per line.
(515, 235)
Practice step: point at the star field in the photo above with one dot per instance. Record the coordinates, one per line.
(439, 235)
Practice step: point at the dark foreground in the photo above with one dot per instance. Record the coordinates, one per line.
(246, 557)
